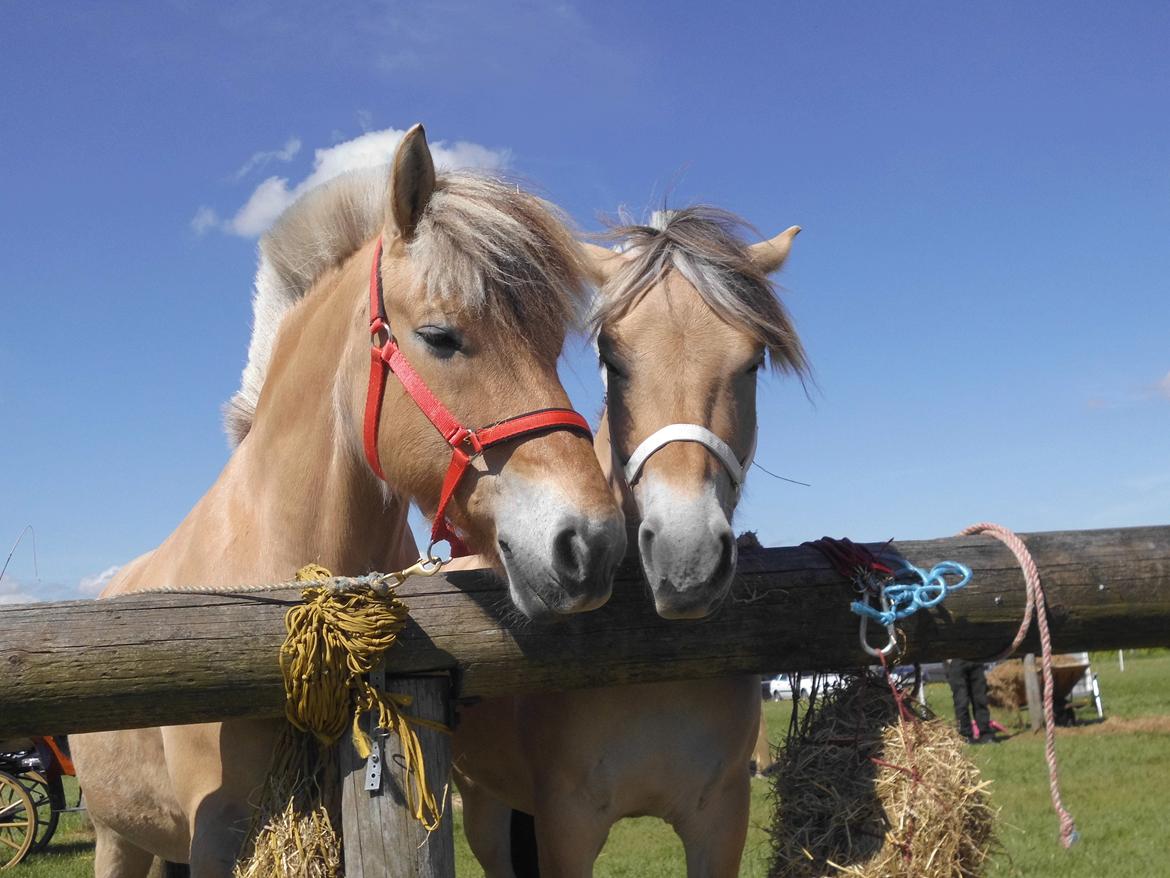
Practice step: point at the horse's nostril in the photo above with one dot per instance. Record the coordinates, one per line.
(569, 554)
(726, 563)
(585, 553)
(646, 544)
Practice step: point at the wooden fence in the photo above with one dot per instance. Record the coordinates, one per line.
(145, 660)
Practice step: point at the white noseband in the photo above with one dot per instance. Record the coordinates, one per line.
(736, 468)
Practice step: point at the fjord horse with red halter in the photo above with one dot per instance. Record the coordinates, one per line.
(392, 319)
(685, 319)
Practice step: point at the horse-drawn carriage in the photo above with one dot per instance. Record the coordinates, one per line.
(32, 795)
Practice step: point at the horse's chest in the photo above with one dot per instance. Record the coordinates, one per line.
(664, 784)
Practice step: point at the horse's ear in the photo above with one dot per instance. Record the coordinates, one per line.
(602, 264)
(770, 255)
(412, 182)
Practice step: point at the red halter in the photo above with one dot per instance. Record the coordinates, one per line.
(465, 444)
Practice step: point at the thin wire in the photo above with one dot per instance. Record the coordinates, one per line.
(36, 571)
(757, 464)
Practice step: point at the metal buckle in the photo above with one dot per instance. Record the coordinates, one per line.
(464, 437)
(427, 565)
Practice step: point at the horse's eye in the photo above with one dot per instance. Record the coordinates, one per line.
(442, 341)
(608, 365)
(756, 366)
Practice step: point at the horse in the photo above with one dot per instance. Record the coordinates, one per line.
(685, 319)
(335, 431)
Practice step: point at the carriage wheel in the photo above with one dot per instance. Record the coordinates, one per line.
(18, 821)
(48, 801)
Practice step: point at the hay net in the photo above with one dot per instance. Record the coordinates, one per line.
(870, 783)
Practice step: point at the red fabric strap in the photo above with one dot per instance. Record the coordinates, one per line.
(375, 389)
(377, 305)
(539, 421)
(465, 443)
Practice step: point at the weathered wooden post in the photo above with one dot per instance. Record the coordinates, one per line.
(1032, 691)
(381, 837)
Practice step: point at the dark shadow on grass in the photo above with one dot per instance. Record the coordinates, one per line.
(65, 848)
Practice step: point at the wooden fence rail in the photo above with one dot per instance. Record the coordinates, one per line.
(175, 658)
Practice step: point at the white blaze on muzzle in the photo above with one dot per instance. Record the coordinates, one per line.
(736, 468)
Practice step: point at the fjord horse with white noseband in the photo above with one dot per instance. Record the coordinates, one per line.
(685, 319)
(337, 435)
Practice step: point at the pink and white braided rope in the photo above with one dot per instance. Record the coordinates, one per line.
(1035, 605)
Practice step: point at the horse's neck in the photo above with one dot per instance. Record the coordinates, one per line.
(297, 490)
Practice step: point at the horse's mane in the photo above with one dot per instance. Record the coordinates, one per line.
(704, 244)
(482, 242)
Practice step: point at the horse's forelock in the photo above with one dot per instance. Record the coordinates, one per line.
(705, 245)
(501, 252)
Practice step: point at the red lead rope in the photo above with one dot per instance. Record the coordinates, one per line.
(465, 443)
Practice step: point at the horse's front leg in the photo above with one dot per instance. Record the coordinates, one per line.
(487, 824)
(115, 857)
(569, 836)
(714, 836)
(219, 770)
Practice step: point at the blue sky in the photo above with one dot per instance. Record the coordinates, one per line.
(983, 282)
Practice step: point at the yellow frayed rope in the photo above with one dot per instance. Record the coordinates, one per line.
(334, 639)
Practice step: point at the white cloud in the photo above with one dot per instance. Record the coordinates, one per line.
(13, 591)
(269, 199)
(285, 154)
(204, 220)
(1136, 395)
(16, 591)
(93, 585)
(266, 203)
(371, 149)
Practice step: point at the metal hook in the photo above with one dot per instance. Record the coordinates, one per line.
(426, 565)
(890, 630)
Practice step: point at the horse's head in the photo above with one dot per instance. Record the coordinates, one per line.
(479, 282)
(685, 320)
(428, 312)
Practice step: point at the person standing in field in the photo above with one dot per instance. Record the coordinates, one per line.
(969, 690)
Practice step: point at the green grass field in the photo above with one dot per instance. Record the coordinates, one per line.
(1116, 783)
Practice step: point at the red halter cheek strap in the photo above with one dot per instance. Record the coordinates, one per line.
(465, 444)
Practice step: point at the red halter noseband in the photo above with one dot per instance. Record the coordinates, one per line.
(465, 444)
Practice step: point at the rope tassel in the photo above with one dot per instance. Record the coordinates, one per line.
(335, 638)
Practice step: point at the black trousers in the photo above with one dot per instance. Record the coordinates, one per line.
(969, 690)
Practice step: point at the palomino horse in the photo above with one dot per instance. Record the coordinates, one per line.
(469, 264)
(685, 319)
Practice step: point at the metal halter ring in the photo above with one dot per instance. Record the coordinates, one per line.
(430, 558)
